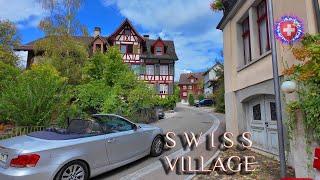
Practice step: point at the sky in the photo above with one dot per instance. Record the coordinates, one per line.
(189, 23)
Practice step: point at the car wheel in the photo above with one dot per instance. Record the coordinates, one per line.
(74, 170)
(157, 146)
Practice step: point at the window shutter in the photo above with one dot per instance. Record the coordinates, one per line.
(157, 69)
(171, 69)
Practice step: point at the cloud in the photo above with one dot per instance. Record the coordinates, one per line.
(25, 13)
(190, 23)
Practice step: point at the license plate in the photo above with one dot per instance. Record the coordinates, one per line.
(3, 157)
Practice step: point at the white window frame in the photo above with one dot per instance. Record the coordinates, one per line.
(184, 94)
(190, 87)
(184, 87)
(150, 70)
(164, 70)
(192, 80)
(164, 89)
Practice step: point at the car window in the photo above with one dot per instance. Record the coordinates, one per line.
(112, 124)
(80, 126)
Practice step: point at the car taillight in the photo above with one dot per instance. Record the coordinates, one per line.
(29, 160)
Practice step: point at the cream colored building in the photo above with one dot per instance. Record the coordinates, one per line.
(249, 89)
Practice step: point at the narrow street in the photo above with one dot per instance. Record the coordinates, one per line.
(184, 119)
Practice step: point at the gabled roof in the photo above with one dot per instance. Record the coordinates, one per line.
(209, 69)
(87, 40)
(125, 22)
(185, 78)
(170, 50)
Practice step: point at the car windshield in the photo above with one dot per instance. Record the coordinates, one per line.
(80, 126)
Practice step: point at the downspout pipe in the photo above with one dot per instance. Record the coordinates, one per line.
(317, 13)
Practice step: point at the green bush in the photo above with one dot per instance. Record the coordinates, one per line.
(191, 99)
(218, 97)
(35, 98)
(168, 103)
(8, 75)
(201, 97)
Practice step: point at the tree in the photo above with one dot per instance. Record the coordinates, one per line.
(60, 48)
(110, 86)
(62, 17)
(8, 75)
(8, 41)
(219, 92)
(191, 99)
(36, 97)
(66, 54)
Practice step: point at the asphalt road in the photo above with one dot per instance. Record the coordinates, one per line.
(185, 119)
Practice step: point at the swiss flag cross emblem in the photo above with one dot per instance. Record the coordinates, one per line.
(288, 30)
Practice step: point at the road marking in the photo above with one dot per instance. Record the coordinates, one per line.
(156, 165)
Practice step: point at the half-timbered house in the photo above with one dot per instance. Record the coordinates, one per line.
(152, 60)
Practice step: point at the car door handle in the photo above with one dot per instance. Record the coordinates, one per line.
(111, 140)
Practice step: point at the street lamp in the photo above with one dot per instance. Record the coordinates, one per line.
(289, 87)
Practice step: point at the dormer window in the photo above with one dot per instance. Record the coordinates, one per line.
(159, 50)
(192, 80)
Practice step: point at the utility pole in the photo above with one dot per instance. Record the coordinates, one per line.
(277, 91)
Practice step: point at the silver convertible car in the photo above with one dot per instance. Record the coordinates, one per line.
(85, 149)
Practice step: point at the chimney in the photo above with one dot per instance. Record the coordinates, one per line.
(146, 36)
(97, 31)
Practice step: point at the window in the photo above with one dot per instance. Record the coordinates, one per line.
(246, 41)
(164, 69)
(98, 47)
(150, 69)
(263, 27)
(256, 110)
(192, 80)
(190, 87)
(164, 88)
(184, 94)
(127, 32)
(273, 112)
(113, 124)
(159, 50)
(123, 49)
(136, 68)
(129, 49)
(126, 48)
(184, 87)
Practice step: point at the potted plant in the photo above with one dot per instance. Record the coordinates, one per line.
(217, 5)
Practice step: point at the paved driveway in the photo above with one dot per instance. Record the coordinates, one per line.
(185, 119)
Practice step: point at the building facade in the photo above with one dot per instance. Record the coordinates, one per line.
(210, 76)
(190, 83)
(249, 89)
(152, 60)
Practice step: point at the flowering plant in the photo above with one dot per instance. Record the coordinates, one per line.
(217, 5)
